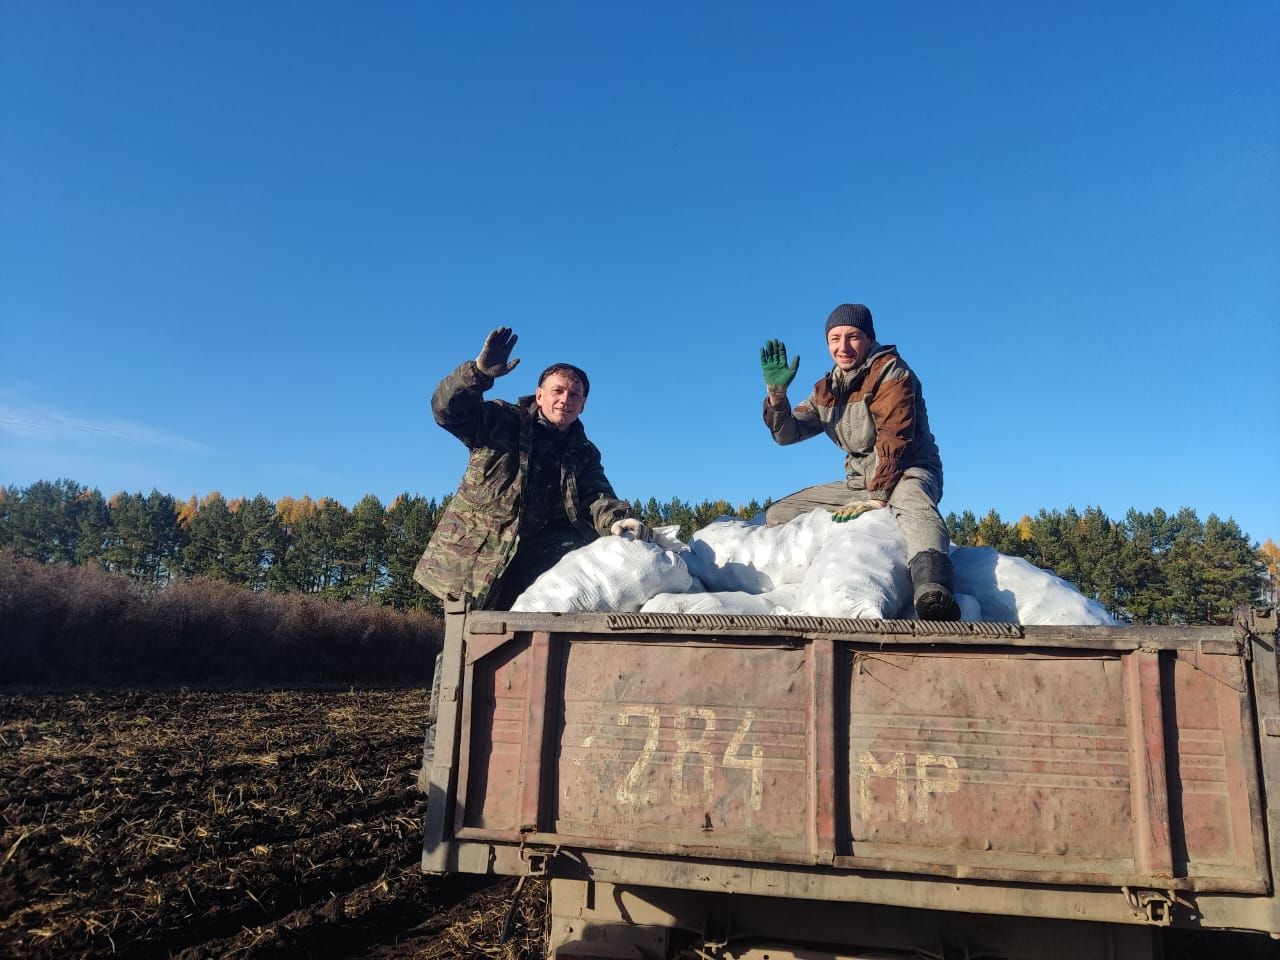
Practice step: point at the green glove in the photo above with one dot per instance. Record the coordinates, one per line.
(773, 363)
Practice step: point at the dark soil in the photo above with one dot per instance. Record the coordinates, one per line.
(252, 825)
(191, 825)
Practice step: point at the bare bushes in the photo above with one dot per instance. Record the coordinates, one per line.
(68, 626)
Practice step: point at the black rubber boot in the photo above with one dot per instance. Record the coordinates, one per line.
(931, 576)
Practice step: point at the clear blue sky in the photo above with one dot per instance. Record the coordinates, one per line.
(241, 242)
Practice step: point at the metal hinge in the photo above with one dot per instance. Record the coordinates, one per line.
(538, 857)
(1155, 906)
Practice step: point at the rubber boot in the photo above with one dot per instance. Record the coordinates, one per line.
(931, 577)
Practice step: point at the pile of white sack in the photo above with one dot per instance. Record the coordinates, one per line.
(811, 565)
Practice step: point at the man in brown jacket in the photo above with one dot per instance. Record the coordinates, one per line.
(533, 490)
(871, 406)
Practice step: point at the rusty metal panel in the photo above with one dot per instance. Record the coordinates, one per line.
(1148, 765)
(1057, 767)
(1051, 766)
(684, 745)
(1103, 767)
(1214, 792)
(990, 759)
(499, 692)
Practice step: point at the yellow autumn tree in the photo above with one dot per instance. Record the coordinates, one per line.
(1270, 554)
(187, 512)
(292, 510)
(1024, 529)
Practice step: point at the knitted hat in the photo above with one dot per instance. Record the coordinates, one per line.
(852, 315)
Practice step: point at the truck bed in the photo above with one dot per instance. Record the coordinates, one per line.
(1112, 774)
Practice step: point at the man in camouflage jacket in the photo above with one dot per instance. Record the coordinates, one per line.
(534, 488)
(871, 406)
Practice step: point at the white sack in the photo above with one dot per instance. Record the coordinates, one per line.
(970, 608)
(734, 601)
(734, 555)
(861, 570)
(612, 573)
(1013, 590)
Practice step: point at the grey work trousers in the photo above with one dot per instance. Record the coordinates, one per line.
(914, 503)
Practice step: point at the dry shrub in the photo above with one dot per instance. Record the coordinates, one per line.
(65, 626)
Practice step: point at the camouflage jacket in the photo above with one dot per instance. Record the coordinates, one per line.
(479, 532)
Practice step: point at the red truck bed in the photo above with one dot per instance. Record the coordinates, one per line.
(1115, 774)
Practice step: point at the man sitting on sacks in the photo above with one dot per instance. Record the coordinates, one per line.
(871, 406)
(533, 490)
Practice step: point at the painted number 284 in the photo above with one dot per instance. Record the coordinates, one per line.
(693, 746)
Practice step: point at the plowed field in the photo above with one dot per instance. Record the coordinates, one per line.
(251, 825)
(230, 824)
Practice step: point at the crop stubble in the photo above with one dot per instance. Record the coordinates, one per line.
(230, 824)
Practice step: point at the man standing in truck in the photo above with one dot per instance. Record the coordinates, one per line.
(871, 406)
(534, 488)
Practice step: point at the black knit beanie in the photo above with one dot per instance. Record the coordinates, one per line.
(852, 315)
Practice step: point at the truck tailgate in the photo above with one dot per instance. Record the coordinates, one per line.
(1082, 756)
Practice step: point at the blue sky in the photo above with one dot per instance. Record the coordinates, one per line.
(240, 243)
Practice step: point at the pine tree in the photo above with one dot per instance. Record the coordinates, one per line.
(93, 523)
(410, 522)
(42, 523)
(211, 541)
(166, 538)
(1230, 573)
(252, 541)
(363, 550)
(324, 533)
(992, 531)
(128, 548)
(963, 528)
(288, 567)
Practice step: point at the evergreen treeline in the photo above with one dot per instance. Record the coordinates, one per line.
(1149, 568)
(690, 517)
(365, 553)
(1155, 567)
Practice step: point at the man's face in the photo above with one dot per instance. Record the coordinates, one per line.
(560, 398)
(849, 346)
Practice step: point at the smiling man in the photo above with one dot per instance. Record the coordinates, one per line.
(871, 406)
(533, 490)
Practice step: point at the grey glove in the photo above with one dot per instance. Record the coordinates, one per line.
(851, 511)
(635, 529)
(496, 352)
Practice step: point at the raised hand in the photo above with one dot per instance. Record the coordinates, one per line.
(494, 359)
(773, 364)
